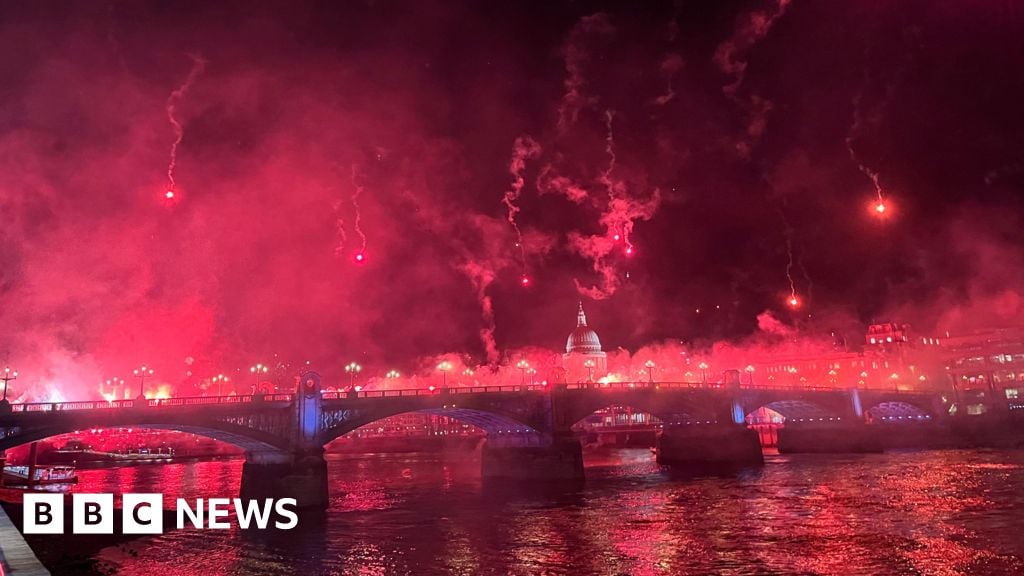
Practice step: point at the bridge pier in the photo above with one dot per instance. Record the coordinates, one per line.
(301, 475)
(721, 445)
(559, 460)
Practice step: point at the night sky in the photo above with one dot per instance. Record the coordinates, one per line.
(742, 144)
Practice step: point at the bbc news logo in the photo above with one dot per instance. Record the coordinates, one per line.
(144, 513)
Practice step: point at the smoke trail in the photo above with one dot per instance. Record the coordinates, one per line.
(339, 229)
(862, 120)
(576, 57)
(482, 277)
(754, 27)
(356, 224)
(670, 66)
(728, 58)
(198, 64)
(524, 148)
(793, 300)
(618, 217)
(550, 182)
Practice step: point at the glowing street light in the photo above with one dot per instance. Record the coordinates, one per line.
(352, 369)
(589, 365)
(141, 373)
(523, 366)
(532, 372)
(650, 370)
(220, 379)
(392, 375)
(8, 376)
(703, 371)
(444, 367)
(256, 371)
(112, 384)
(750, 373)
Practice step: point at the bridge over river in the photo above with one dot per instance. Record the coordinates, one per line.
(527, 427)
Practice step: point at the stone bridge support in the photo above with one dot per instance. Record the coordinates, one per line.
(301, 471)
(724, 443)
(301, 475)
(557, 456)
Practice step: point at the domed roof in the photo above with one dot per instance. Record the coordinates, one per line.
(582, 340)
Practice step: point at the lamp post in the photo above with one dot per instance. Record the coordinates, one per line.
(256, 371)
(444, 367)
(523, 366)
(589, 365)
(220, 379)
(703, 371)
(8, 376)
(352, 369)
(533, 373)
(392, 375)
(750, 373)
(650, 371)
(141, 373)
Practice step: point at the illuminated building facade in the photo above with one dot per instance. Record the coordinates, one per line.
(584, 360)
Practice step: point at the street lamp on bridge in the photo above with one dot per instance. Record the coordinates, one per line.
(523, 366)
(256, 371)
(703, 371)
(8, 376)
(533, 373)
(352, 369)
(650, 370)
(444, 367)
(750, 373)
(589, 365)
(392, 375)
(220, 379)
(141, 373)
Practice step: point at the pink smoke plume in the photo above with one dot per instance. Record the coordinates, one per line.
(550, 182)
(670, 67)
(524, 148)
(198, 64)
(482, 277)
(619, 213)
(729, 58)
(577, 55)
(358, 218)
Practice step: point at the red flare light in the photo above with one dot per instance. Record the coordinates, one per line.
(169, 194)
(793, 301)
(617, 237)
(359, 257)
(629, 250)
(524, 281)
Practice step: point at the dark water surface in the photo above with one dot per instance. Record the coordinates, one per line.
(944, 512)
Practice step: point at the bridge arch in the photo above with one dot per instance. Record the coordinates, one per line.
(795, 412)
(245, 438)
(898, 412)
(671, 410)
(493, 424)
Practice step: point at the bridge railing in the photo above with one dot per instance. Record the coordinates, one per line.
(342, 395)
(151, 402)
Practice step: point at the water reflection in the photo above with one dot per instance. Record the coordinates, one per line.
(925, 512)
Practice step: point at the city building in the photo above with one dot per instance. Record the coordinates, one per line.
(584, 360)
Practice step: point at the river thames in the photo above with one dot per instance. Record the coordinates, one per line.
(939, 512)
